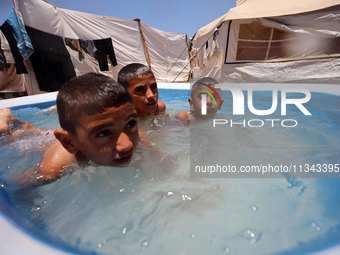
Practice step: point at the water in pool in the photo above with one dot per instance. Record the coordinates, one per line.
(154, 207)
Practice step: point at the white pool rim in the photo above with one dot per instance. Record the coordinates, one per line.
(15, 240)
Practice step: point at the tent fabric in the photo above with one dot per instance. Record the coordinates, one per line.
(10, 81)
(247, 9)
(165, 48)
(296, 47)
(167, 53)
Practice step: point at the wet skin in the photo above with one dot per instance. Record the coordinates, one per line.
(144, 92)
(109, 138)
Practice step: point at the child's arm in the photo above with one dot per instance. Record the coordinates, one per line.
(6, 118)
(183, 115)
(184, 118)
(51, 167)
(55, 159)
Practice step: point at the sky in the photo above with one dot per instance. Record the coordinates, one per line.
(180, 16)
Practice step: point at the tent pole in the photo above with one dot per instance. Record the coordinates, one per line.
(189, 55)
(194, 56)
(144, 42)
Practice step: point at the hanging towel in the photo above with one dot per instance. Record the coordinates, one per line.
(19, 63)
(20, 34)
(104, 48)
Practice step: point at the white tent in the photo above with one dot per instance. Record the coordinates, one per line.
(271, 41)
(133, 41)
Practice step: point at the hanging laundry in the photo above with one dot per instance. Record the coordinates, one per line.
(88, 47)
(214, 47)
(210, 47)
(6, 48)
(74, 44)
(104, 48)
(19, 63)
(2, 55)
(205, 54)
(51, 61)
(20, 34)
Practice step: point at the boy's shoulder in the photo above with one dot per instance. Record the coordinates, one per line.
(184, 115)
(54, 160)
(161, 106)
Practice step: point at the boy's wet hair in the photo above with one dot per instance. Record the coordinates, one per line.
(130, 71)
(88, 94)
(201, 82)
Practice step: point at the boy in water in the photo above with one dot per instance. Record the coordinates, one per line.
(99, 123)
(141, 84)
(200, 87)
(5, 117)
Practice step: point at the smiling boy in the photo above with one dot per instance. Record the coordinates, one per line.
(141, 84)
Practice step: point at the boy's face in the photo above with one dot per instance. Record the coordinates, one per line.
(109, 138)
(196, 103)
(144, 92)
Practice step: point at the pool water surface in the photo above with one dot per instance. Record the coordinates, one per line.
(154, 206)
